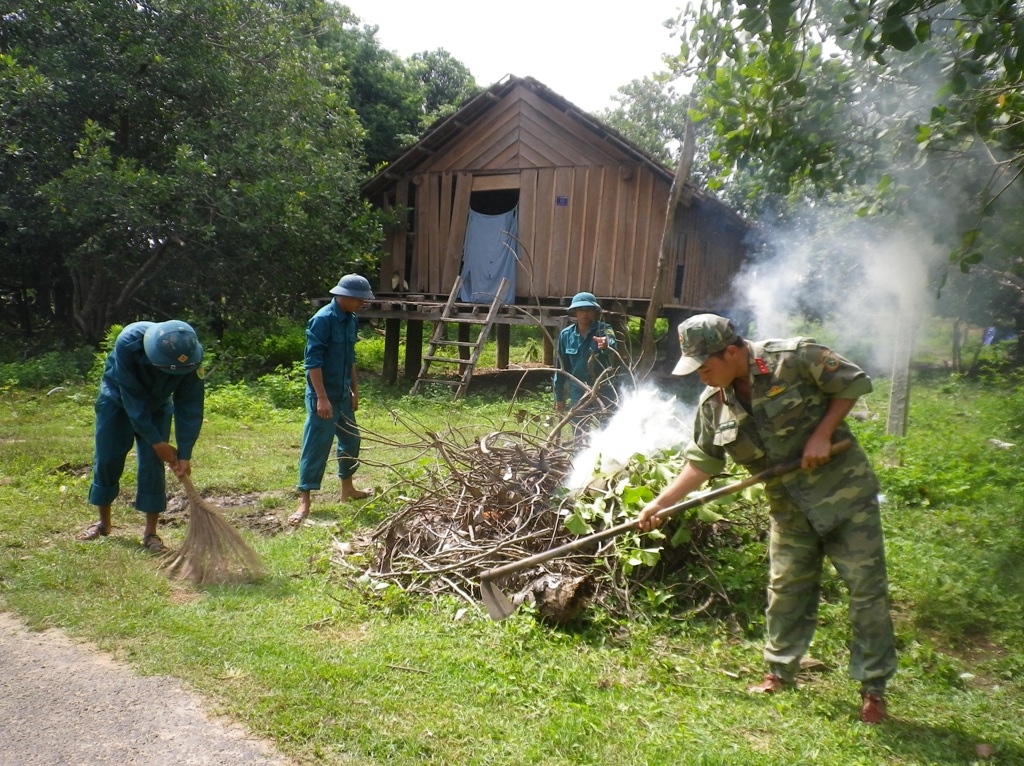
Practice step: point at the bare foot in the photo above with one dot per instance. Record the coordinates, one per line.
(305, 503)
(349, 491)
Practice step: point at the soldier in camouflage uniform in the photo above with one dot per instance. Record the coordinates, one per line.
(767, 403)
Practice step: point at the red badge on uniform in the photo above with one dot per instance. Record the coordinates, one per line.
(762, 366)
(830, 361)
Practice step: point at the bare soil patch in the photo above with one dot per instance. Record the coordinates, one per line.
(244, 510)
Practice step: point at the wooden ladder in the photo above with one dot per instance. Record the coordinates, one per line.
(437, 340)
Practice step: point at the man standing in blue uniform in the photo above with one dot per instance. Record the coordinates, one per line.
(152, 375)
(332, 393)
(582, 353)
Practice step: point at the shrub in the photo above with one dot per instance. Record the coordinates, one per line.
(712, 553)
(240, 401)
(247, 353)
(285, 387)
(53, 368)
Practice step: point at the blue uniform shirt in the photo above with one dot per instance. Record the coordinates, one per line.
(142, 390)
(579, 356)
(331, 336)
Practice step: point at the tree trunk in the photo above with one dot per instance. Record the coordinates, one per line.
(100, 298)
(647, 351)
(1018, 325)
(957, 346)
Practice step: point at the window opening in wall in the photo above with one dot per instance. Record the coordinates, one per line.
(494, 202)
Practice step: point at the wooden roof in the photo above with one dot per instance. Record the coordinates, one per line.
(523, 132)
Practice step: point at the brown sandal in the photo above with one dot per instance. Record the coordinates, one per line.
(154, 544)
(98, 529)
(296, 519)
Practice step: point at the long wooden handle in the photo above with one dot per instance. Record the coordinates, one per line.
(672, 510)
(190, 489)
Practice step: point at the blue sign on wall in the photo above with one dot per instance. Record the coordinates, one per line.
(561, 201)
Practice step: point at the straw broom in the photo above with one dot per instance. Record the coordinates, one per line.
(213, 553)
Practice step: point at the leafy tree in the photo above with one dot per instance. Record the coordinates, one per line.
(395, 99)
(911, 108)
(446, 81)
(170, 157)
(380, 87)
(820, 96)
(652, 115)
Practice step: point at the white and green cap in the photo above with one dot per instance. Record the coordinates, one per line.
(700, 336)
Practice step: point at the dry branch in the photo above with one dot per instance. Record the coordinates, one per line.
(490, 500)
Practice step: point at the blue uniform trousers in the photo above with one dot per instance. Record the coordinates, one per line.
(114, 439)
(317, 437)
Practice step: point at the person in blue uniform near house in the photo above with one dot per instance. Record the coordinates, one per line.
(152, 375)
(332, 393)
(582, 355)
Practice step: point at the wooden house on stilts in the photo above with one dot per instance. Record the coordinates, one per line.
(521, 185)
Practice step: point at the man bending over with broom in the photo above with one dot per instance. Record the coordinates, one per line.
(332, 393)
(151, 375)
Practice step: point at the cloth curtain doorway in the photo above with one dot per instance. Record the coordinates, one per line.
(488, 254)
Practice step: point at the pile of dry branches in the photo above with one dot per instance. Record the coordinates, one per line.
(483, 501)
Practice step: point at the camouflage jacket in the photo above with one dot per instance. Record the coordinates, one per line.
(791, 384)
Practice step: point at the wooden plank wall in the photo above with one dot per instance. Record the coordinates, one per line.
(439, 229)
(456, 229)
(395, 256)
(421, 224)
(524, 131)
(589, 218)
(713, 255)
(604, 238)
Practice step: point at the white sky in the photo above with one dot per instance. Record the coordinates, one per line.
(584, 51)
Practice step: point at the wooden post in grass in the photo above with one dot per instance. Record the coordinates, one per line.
(675, 196)
(899, 395)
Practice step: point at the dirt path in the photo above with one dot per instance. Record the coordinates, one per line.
(66, 704)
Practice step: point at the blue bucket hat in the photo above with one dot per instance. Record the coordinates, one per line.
(173, 347)
(353, 286)
(584, 301)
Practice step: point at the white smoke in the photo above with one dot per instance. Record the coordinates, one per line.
(860, 280)
(864, 279)
(863, 285)
(647, 421)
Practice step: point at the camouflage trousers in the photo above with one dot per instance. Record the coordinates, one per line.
(856, 550)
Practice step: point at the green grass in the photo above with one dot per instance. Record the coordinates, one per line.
(336, 675)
